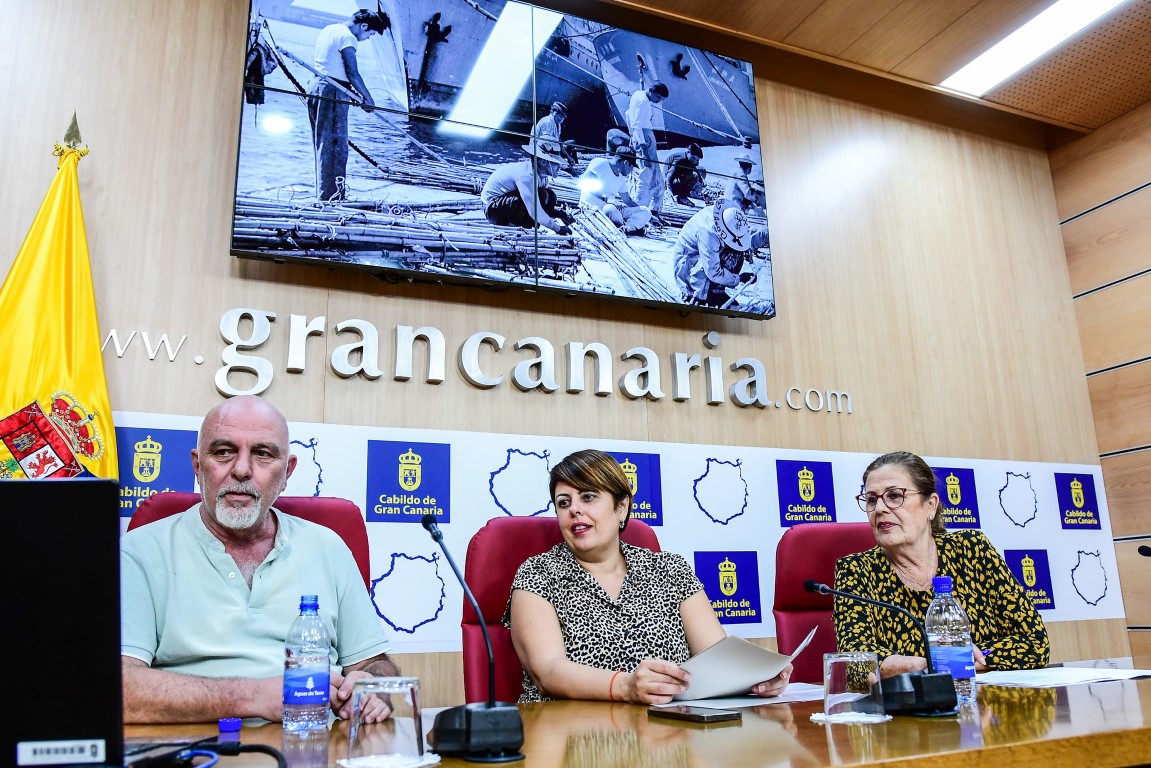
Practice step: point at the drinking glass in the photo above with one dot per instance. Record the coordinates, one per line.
(851, 688)
(397, 742)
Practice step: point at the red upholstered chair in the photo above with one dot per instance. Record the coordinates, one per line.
(341, 515)
(809, 551)
(494, 554)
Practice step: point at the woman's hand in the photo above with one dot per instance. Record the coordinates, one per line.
(654, 681)
(775, 685)
(895, 664)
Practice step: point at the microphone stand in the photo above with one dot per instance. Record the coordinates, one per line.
(908, 693)
(482, 732)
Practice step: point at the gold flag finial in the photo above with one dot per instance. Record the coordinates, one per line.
(72, 135)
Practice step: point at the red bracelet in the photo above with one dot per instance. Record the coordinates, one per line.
(611, 684)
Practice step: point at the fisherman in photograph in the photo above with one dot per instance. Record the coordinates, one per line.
(548, 129)
(711, 251)
(335, 63)
(648, 183)
(603, 188)
(616, 138)
(746, 188)
(685, 177)
(518, 194)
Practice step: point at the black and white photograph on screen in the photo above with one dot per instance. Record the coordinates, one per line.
(497, 141)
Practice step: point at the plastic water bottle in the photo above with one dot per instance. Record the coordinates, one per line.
(949, 639)
(306, 669)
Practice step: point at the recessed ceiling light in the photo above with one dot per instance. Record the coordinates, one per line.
(1026, 44)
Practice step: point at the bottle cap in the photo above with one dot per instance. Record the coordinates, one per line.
(941, 584)
(229, 724)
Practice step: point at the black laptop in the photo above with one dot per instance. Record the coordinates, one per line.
(60, 589)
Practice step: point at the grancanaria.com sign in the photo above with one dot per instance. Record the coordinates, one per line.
(487, 359)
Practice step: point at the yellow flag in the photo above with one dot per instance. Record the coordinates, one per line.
(55, 417)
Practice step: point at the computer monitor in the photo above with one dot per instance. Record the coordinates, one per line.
(60, 592)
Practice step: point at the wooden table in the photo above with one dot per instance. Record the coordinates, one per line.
(1087, 726)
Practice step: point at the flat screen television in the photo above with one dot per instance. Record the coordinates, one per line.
(462, 169)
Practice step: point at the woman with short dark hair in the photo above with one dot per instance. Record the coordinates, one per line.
(595, 618)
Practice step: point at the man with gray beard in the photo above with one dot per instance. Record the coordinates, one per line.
(207, 595)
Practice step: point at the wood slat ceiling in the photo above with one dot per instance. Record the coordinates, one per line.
(1101, 74)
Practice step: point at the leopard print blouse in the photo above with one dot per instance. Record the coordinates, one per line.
(643, 623)
(1003, 619)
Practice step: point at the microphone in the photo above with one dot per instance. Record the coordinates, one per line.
(485, 731)
(908, 692)
(1145, 550)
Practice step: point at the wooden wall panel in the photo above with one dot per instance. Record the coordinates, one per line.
(1113, 324)
(1127, 478)
(1121, 400)
(1079, 640)
(1140, 640)
(1135, 576)
(1110, 162)
(918, 267)
(1110, 243)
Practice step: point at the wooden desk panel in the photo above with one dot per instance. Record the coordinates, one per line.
(1101, 725)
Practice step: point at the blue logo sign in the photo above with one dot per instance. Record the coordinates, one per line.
(956, 489)
(1077, 505)
(731, 581)
(642, 470)
(806, 492)
(1031, 568)
(407, 481)
(151, 461)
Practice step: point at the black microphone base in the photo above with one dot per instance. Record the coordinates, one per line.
(918, 693)
(480, 732)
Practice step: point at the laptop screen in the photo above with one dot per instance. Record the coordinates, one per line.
(60, 584)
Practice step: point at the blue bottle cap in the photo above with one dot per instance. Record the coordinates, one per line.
(941, 584)
(229, 724)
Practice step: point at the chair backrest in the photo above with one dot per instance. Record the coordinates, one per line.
(495, 553)
(341, 515)
(809, 551)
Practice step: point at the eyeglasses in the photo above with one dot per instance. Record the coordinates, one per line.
(892, 497)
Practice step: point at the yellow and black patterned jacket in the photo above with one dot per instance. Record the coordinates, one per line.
(1004, 623)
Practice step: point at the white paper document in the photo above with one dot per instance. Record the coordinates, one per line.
(794, 692)
(732, 666)
(1050, 677)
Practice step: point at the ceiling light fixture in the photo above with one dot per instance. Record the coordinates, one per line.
(1026, 44)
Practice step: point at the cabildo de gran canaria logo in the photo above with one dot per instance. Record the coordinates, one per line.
(959, 501)
(1032, 569)
(731, 581)
(728, 578)
(644, 480)
(954, 494)
(806, 492)
(631, 472)
(806, 484)
(410, 475)
(143, 470)
(1078, 507)
(146, 460)
(407, 480)
(1027, 565)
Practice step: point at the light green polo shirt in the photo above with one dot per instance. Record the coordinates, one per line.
(186, 607)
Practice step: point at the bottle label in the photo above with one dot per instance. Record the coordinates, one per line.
(959, 660)
(305, 686)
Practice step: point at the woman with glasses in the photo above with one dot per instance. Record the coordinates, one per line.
(905, 514)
